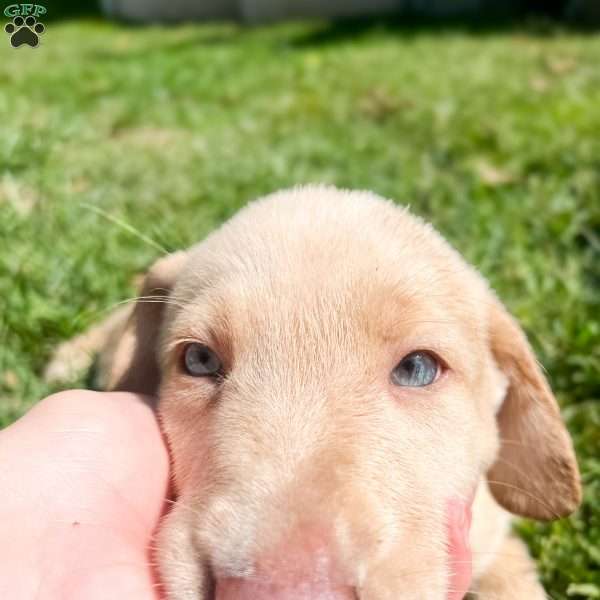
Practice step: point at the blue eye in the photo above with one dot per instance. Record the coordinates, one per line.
(200, 361)
(416, 369)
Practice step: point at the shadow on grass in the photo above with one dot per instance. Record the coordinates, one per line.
(64, 10)
(529, 23)
(534, 17)
(322, 33)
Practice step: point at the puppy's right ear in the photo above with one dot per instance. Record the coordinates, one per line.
(536, 473)
(135, 363)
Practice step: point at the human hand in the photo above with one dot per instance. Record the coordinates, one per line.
(82, 486)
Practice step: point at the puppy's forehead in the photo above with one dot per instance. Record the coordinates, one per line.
(316, 255)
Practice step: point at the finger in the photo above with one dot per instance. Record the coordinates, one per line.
(84, 476)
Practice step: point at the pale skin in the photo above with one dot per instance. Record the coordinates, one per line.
(84, 479)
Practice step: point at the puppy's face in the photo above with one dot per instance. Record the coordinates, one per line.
(331, 387)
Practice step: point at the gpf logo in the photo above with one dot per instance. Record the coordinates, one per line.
(25, 28)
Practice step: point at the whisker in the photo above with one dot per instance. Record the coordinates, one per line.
(513, 466)
(149, 299)
(515, 442)
(191, 509)
(528, 494)
(99, 313)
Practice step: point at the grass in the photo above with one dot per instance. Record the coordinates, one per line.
(492, 134)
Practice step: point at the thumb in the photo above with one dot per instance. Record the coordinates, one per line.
(84, 479)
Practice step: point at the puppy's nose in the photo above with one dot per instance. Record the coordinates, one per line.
(303, 567)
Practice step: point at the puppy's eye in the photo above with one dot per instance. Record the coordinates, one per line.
(416, 369)
(201, 361)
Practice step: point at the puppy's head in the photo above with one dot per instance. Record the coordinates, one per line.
(334, 381)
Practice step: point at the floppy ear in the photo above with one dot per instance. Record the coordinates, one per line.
(536, 473)
(135, 367)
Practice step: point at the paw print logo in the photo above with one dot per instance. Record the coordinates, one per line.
(24, 31)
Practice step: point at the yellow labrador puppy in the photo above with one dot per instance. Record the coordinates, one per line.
(351, 412)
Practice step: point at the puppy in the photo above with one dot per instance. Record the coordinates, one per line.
(351, 412)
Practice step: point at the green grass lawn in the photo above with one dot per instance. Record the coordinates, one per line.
(493, 135)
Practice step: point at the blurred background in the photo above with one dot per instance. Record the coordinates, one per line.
(135, 127)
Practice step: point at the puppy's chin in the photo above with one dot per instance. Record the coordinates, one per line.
(248, 589)
(303, 566)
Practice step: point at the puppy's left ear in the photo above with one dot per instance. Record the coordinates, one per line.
(136, 367)
(536, 473)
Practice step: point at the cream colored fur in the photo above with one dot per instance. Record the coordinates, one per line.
(310, 297)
